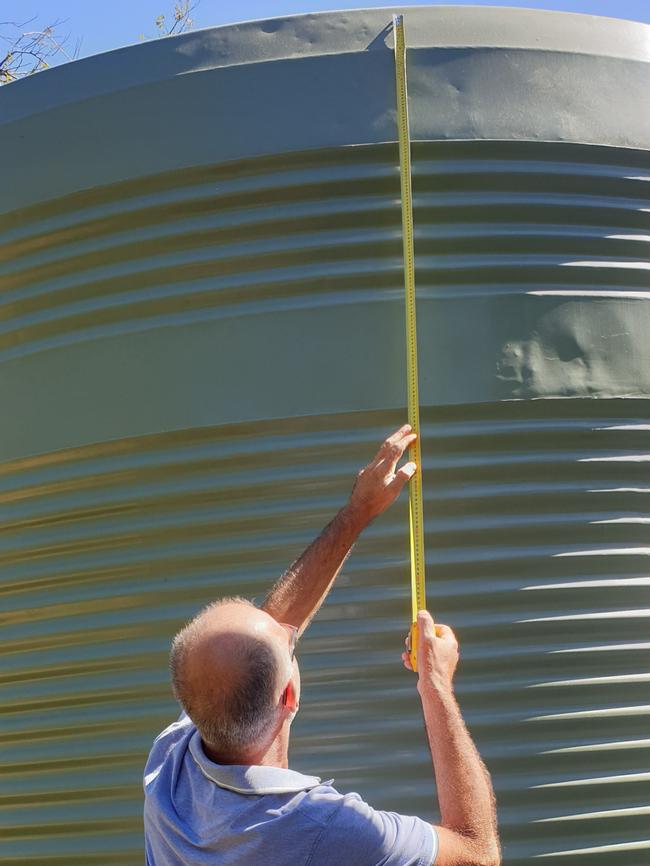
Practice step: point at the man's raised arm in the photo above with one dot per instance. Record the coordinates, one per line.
(299, 593)
(468, 835)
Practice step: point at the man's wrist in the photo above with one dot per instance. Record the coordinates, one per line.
(436, 690)
(355, 517)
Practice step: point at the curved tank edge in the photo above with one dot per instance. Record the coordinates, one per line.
(317, 34)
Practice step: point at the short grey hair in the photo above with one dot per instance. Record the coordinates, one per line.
(236, 720)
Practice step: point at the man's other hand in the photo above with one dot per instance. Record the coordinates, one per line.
(380, 482)
(437, 654)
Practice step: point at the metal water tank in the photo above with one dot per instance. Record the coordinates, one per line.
(201, 341)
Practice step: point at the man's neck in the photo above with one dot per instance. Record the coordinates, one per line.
(276, 755)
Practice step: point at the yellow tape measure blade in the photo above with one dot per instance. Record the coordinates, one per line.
(413, 646)
(416, 522)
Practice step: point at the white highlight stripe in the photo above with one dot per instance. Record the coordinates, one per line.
(587, 816)
(594, 681)
(613, 712)
(591, 293)
(601, 849)
(600, 747)
(601, 780)
(613, 647)
(605, 551)
(605, 263)
(582, 617)
(586, 584)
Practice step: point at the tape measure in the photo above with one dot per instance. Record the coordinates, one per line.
(416, 521)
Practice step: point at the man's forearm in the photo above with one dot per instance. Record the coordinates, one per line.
(298, 594)
(465, 793)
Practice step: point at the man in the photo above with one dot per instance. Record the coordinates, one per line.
(217, 785)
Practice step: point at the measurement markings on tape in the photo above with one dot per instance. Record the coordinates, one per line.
(416, 522)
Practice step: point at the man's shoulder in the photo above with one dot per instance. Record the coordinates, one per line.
(182, 727)
(325, 804)
(321, 802)
(372, 835)
(166, 741)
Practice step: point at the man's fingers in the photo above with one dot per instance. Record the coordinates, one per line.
(395, 452)
(397, 435)
(396, 439)
(444, 632)
(393, 446)
(404, 444)
(425, 624)
(398, 445)
(403, 475)
(378, 484)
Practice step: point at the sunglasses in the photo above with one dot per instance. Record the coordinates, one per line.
(293, 640)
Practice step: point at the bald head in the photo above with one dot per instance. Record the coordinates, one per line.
(229, 667)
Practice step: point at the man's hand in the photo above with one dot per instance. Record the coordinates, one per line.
(437, 654)
(379, 484)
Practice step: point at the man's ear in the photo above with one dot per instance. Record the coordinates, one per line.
(289, 697)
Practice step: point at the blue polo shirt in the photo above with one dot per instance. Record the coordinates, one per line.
(198, 813)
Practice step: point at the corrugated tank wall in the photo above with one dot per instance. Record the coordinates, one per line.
(201, 341)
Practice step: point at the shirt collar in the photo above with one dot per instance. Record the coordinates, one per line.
(250, 778)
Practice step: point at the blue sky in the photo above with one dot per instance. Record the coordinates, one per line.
(102, 26)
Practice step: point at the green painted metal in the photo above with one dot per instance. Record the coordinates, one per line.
(201, 341)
